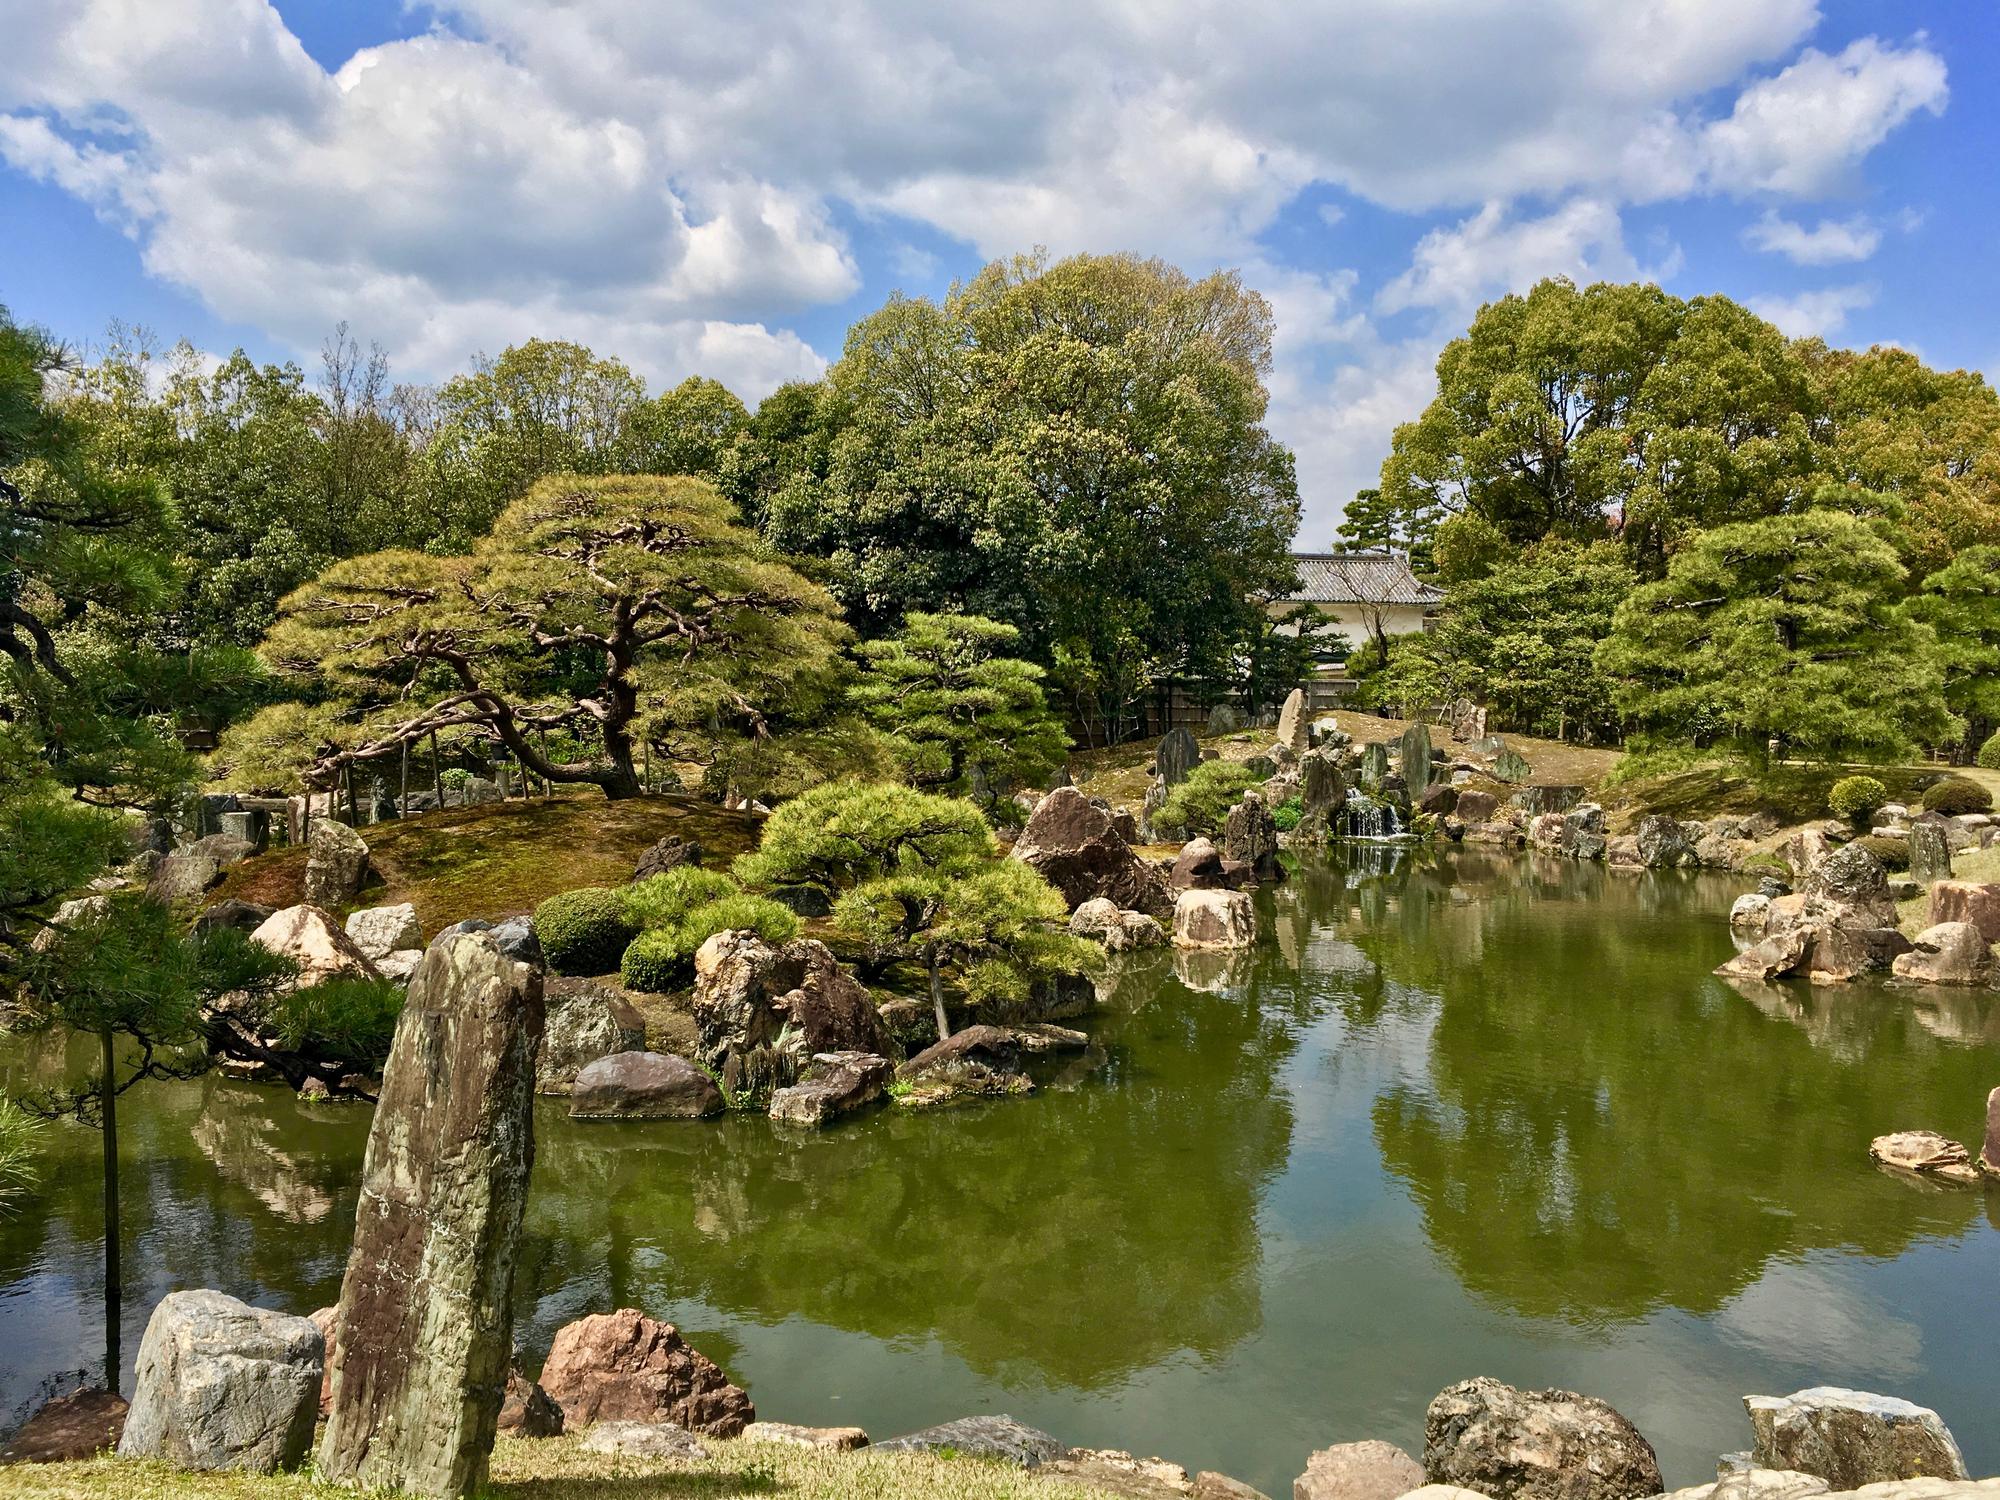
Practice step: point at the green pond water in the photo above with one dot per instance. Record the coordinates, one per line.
(1460, 1115)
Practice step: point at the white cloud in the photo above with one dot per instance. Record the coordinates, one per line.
(1493, 252)
(1815, 314)
(1829, 242)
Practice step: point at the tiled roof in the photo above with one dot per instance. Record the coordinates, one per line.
(1360, 578)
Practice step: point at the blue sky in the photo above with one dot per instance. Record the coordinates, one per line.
(721, 190)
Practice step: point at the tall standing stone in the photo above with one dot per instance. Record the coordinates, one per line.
(336, 864)
(1417, 761)
(419, 1368)
(1989, 1157)
(1292, 722)
(1178, 754)
(1374, 764)
(1930, 852)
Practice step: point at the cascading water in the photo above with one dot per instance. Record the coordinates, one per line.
(1366, 817)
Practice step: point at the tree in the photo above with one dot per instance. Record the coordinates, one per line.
(966, 716)
(1961, 602)
(1787, 629)
(1375, 522)
(839, 835)
(1074, 448)
(688, 430)
(618, 606)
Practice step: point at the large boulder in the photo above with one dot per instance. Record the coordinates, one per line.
(336, 864)
(1292, 727)
(1967, 901)
(626, 1367)
(792, 1435)
(668, 1440)
(833, 1084)
(1198, 867)
(1119, 931)
(1370, 1470)
(1930, 850)
(1476, 806)
(999, 1438)
(1322, 786)
(1949, 953)
(586, 1020)
(1535, 1445)
(1178, 753)
(1925, 1152)
(1989, 1155)
(761, 1012)
(1664, 843)
(242, 916)
(379, 931)
(223, 1385)
(312, 938)
(1415, 761)
(182, 876)
(529, 1411)
(1854, 878)
(1583, 834)
(643, 1086)
(1077, 849)
(1250, 838)
(80, 1425)
(1214, 919)
(668, 853)
(1851, 1438)
(975, 1061)
(424, 1330)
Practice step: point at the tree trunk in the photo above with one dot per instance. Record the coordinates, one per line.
(113, 1288)
(403, 790)
(437, 772)
(937, 991)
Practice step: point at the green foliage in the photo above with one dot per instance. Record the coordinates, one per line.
(1961, 602)
(1956, 796)
(1286, 814)
(584, 931)
(1375, 522)
(662, 900)
(662, 958)
(1989, 753)
(347, 1019)
(1786, 628)
(688, 430)
(19, 1173)
(836, 836)
(1200, 803)
(1893, 853)
(454, 778)
(958, 706)
(1857, 798)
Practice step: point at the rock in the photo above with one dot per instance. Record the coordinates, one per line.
(1930, 851)
(182, 876)
(1292, 722)
(400, 967)
(1077, 849)
(1535, 1445)
(514, 937)
(1852, 877)
(1112, 1471)
(1322, 787)
(1967, 901)
(1757, 1484)
(311, 938)
(644, 1440)
(226, 849)
(1749, 914)
(244, 916)
(1989, 1155)
(252, 827)
(1373, 766)
(643, 1086)
(1774, 957)
(381, 930)
(1370, 1470)
(1468, 721)
(912, 1023)
(834, 1439)
(1209, 1485)
(1119, 931)
(528, 1411)
(1179, 752)
(1416, 761)
(1214, 919)
(1126, 823)
(1445, 1492)
(993, 1047)
(1926, 1152)
(1510, 766)
(1198, 867)
(1851, 1438)
(425, 1321)
(834, 1084)
(761, 1012)
(223, 1385)
(1476, 806)
(336, 863)
(1664, 844)
(80, 1425)
(1440, 799)
(1250, 837)
(1947, 953)
(323, 1319)
(669, 853)
(802, 900)
(1842, 953)
(586, 1020)
(627, 1367)
(1223, 719)
(1583, 831)
(997, 1437)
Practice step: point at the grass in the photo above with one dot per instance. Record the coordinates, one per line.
(559, 1469)
(1981, 866)
(503, 858)
(1795, 793)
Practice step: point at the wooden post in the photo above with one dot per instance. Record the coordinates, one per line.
(548, 784)
(113, 1283)
(403, 789)
(437, 772)
(353, 806)
(646, 751)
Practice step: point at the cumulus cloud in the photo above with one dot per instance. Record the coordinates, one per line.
(1826, 243)
(1815, 314)
(1494, 252)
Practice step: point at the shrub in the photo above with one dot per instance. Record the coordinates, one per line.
(1856, 798)
(1956, 796)
(662, 900)
(1893, 853)
(1989, 753)
(454, 778)
(1200, 803)
(18, 1175)
(584, 931)
(662, 958)
(1287, 814)
(349, 1019)
(838, 835)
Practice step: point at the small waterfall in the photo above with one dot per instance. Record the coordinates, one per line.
(1366, 817)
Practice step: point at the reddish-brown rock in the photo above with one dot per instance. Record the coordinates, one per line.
(625, 1366)
(763, 1013)
(1077, 849)
(1967, 901)
(529, 1411)
(79, 1425)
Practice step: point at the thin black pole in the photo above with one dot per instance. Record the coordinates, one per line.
(113, 1289)
(403, 792)
(437, 772)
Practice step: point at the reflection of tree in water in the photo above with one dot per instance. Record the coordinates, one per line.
(1607, 1131)
(1080, 1235)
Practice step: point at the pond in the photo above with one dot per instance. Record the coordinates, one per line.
(1464, 1114)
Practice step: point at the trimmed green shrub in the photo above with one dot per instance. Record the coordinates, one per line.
(585, 930)
(454, 778)
(1200, 803)
(662, 900)
(662, 958)
(1893, 853)
(347, 1018)
(1956, 796)
(1287, 814)
(1989, 753)
(1857, 798)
